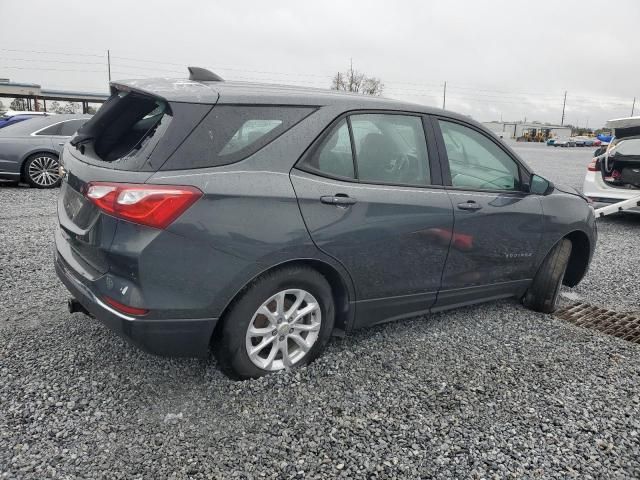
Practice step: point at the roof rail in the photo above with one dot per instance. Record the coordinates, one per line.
(198, 74)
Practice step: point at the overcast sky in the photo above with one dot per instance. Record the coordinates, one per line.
(511, 59)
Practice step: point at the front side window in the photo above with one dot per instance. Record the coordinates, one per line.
(390, 149)
(476, 162)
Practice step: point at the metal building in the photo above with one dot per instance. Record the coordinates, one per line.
(36, 97)
(528, 131)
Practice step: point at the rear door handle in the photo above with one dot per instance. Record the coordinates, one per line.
(470, 205)
(338, 199)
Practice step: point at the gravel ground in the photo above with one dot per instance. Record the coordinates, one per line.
(491, 391)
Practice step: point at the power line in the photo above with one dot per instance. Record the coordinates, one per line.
(454, 87)
(49, 61)
(458, 92)
(51, 53)
(51, 69)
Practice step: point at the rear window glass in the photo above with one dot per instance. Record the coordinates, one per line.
(230, 133)
(123, 125)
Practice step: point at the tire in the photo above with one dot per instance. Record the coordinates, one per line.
(234, 342)
(542, 295)
(42, 170)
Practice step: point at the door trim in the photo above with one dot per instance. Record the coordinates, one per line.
(459, 297)
(381, 310)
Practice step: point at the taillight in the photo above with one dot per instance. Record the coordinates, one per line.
(125, 308)
(594, 165)
(153, 205)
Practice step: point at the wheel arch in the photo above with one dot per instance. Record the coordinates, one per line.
(579, 259)
(341, 290)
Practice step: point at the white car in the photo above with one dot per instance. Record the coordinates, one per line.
(614, 173)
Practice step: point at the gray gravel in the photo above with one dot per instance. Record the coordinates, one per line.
(492, 391)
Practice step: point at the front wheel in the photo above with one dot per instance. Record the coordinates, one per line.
(542, 295)
(42, 170)
(282, 320)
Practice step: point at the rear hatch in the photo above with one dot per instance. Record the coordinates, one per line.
(620, 167)
(129, 139)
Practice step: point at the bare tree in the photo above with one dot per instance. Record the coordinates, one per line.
(18, 104)
(70, 107)
(55, 107)
(357, 82)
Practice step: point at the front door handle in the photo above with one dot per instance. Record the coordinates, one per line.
(470, 205)
(339, 199)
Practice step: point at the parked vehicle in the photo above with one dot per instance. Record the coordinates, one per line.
(551, 142)
(10, 119)
(263, 219)
(614, 173)
(564, 142)
(578, 141)
(29, 150)
(33, 113)
(589, 141)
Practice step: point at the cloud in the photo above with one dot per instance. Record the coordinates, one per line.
(507, 58)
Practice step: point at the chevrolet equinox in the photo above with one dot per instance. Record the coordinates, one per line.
(259, 220)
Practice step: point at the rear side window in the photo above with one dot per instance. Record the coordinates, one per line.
(230, 133)
(71, 127)
(334, 155)
(52, 130)
(389, 149)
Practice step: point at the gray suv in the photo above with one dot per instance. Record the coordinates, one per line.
(259, 220)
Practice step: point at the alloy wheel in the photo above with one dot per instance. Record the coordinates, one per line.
(283, 329)
(44, 171)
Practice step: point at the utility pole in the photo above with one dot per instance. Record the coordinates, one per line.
(109, 63)
(564, 104)
(444, 96)
(633, 106)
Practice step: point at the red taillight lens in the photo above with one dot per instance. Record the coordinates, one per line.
(153, 205)
(125, 308)
(594, 166)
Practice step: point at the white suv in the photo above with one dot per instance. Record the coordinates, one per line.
(614, 174)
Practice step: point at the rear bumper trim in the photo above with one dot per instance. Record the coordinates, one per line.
(166, 337)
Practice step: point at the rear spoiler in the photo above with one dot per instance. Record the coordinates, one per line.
(192, 90)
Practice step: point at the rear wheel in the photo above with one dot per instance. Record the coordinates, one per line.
(282, 320)
(42, 170)
(542, 295)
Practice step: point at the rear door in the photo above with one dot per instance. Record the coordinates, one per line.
(370, 195)
(497, 224)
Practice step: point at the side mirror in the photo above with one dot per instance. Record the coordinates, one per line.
(539, 185)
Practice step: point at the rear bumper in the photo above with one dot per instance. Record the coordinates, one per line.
(179, 338)
(602, 194)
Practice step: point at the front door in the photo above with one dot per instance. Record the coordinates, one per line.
(497, 224)
(366, 195)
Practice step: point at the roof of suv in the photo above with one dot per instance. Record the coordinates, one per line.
(189, 91)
